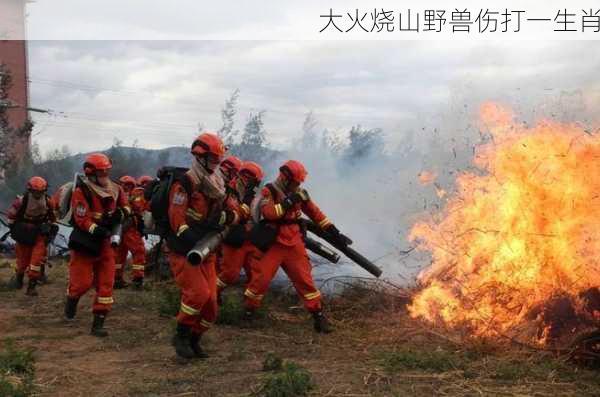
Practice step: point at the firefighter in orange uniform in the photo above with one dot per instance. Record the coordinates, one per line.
(31, 221)
(230, 168)
(238, 251)
(282, 204)
(143, 182)
(132, 240)
(98, 205)
(196, 206)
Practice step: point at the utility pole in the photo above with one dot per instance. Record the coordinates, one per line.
(15, 124)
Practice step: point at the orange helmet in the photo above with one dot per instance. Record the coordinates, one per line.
(37, 184)
(294, 170)
(231, 163)
(252, 170)
(208, 143)
(96, 162)
(127, 180)
(144, 179)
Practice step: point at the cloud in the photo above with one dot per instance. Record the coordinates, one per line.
(158, 92)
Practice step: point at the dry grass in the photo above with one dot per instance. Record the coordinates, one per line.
(376, 350)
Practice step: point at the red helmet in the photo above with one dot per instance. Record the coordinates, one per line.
(294, 170)
(96, 162)
(253, 170)
(38, 184)
(127, 180)
(232, 163)
(144, 179)
(208, 143)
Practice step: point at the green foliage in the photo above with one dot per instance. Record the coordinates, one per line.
(272, 362)
(16, 371)
(292, 381)
(231, 311)
(426, 360)
(168, 300)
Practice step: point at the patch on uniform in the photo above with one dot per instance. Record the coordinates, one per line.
(80, 210)
(179, 198)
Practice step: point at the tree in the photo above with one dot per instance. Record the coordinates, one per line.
(309, 141)
(364, 144)
(226, 132)
(254, 139)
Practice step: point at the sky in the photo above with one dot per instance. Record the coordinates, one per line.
(157, 93)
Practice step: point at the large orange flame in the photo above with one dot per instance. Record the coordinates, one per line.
(519, 231)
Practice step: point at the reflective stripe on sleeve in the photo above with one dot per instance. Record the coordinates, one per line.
(278, 210)
(182, 229)
(324, 222)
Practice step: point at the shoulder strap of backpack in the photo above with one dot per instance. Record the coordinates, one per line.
(23, 207)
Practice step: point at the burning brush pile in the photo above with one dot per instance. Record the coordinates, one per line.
(516, 250)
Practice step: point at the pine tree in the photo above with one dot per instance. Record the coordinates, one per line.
(254, 138)
(226, 132)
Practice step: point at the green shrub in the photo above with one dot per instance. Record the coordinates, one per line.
(292, 381)
(426, 360)
(272, 362)
(16, 371)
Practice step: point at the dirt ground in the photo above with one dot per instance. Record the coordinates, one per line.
(376, 350)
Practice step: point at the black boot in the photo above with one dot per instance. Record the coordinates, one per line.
(321, 323)
(17, 281)
(249, 316)
(195, 345)
(71, 308)
(138, 283)
(182, 342)
(31, 288)
(98, 325)
(120, 283)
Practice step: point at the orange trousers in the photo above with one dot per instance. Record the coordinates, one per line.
(31, 257)
(234, 259)
(132, 242)
(198, 286)
(86, 271)
(294, 261)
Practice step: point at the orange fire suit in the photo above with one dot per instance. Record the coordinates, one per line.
(86, 270)
(198, 308)
(236, 258)
(30, 258)
(288, 251)
(132, 240)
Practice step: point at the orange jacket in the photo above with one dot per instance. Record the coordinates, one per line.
(87, 216)
(289, 231)
(185, 211)
(137, 202)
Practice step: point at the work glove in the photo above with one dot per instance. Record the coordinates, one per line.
(117, 217)
(334, 231)
(287, 203)
(101, 232)
(190, 237)
(222, 218)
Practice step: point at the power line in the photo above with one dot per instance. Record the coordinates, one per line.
(93, 88)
